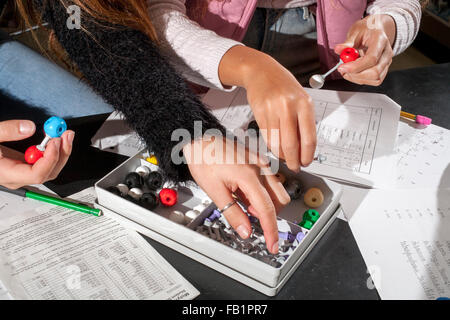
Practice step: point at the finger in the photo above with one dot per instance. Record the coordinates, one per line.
(277, 192)
(242, 198)
(290, 141)
(263, 129)
(339, 47)
(261, 206)
(221, 196)
(64, 152)
(371, 58)
(352, 38)
(375, 75)
(18, 173)
(44, 166)
(308, 138)
(363, 78)
(257, 158)
(274, 137)
(13, 130)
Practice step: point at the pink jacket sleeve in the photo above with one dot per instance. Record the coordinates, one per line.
(194, 51)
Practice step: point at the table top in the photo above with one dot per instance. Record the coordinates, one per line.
(334, 269)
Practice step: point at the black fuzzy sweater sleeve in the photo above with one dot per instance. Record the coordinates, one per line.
(127, 70)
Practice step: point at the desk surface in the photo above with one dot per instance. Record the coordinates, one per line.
(335, 268)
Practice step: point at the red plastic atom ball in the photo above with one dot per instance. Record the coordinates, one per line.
(168, 197)
(33, 154)
(349, 54)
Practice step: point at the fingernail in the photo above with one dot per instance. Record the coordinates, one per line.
(275, 248)
(342, 69)
(26, 127)
(70, 137)
(242, 231)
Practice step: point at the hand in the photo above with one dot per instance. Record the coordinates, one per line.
(282, 108)
(262, 193)
(373, 37)
(14, 173)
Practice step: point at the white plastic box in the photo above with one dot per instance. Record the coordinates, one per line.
(231, 262)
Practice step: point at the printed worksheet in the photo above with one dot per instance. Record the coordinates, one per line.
(404, 237)
(422, 156)
(4, 294)
(54, 253)
(356, 132)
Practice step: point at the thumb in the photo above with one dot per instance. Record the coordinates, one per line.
(341, 46)
(13, 130)
(350, 42)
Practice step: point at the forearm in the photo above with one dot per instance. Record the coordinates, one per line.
(389, 27)
(406, 15)
(126, 69)
(240, 64)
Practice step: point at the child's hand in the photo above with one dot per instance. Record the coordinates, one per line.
(280, 104)
(263, 193)
(14, 173)
(373, 37)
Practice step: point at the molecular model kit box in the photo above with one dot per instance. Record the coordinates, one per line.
(183, 218)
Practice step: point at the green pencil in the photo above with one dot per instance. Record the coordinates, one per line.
(52, 200)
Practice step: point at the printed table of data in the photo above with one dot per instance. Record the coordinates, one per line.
(347, 135)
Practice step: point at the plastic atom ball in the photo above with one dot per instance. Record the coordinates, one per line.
(168, 197)
(349, 54)
(149, 201)
(154, 180)
(33, 154)
(54, 127)
(133, 180)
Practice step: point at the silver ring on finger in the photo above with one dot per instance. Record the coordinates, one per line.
(228, 206)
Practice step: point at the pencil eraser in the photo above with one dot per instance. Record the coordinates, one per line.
(423, 120)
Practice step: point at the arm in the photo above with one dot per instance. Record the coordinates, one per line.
(126, 69)
(193, 51)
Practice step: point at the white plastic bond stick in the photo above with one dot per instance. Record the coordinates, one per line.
(44, 143)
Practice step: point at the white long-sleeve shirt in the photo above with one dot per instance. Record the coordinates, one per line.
(196, 52)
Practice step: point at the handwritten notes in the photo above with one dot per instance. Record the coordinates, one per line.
(404, 237)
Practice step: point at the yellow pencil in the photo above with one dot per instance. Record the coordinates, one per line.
(417, 118)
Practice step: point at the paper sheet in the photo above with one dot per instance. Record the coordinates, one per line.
(404, 237)
(356, 131)
(4, 294)
(10, 203)
(54, 253)
(422, 156)
(115, 136)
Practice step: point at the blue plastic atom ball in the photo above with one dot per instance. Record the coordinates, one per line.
(54, 127)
